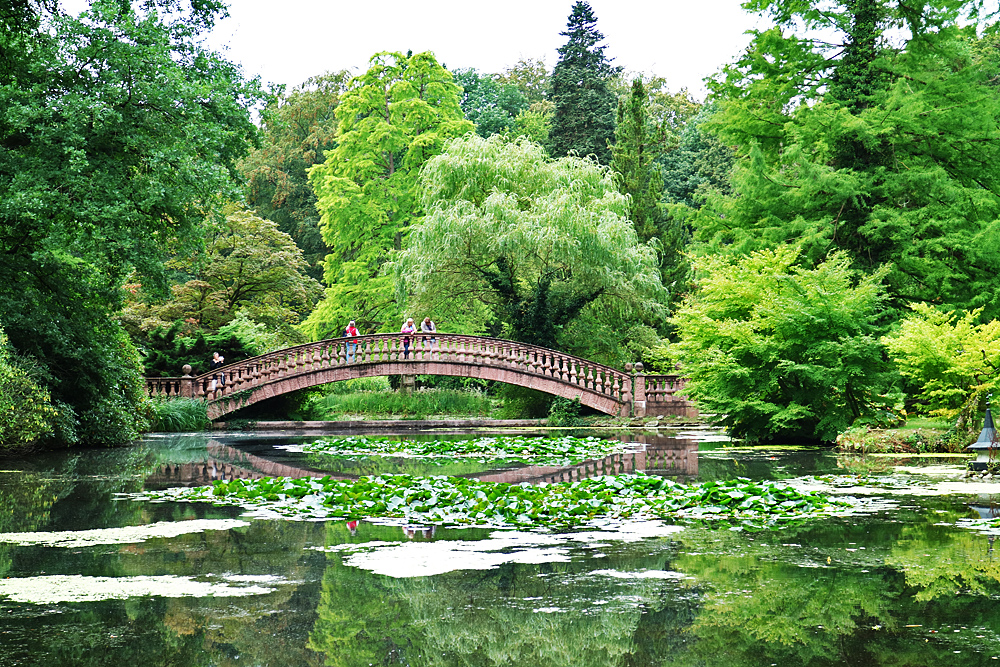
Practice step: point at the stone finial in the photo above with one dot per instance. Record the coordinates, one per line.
(639, 367)
(628, 367)
(186, 369)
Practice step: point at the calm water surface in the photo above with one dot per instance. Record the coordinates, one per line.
(91, 577)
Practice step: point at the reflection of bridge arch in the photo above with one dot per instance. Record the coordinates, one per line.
(673, 457)
(597, 386)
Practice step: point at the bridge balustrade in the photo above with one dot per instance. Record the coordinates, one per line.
(450, 354)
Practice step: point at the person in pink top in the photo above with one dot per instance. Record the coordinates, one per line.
(351, 331)
(408, 328)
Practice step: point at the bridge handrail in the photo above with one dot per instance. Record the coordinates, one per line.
(388, 347)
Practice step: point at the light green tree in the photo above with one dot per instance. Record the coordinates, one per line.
(540, 242)
(946, 357)
(780, 352)
(391, 120)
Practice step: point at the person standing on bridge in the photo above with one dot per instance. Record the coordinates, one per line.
(408, 328)
(427, 326)
(217, 361)
(351, 331)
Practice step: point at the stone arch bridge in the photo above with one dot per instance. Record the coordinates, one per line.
(603, 388)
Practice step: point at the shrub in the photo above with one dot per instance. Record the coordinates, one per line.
(26, 410)
(946, 356)
(779, 352)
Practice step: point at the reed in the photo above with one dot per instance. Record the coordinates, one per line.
(417, 405)
(180, 415)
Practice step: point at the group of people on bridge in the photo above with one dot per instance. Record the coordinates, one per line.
(408, 330)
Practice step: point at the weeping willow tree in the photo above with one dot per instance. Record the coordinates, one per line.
(534, 249)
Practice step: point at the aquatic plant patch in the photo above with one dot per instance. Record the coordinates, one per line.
(558, 451)
(439, 500)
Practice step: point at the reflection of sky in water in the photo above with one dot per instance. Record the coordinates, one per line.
(427, 558)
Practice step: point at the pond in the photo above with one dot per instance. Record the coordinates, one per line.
(91, 574)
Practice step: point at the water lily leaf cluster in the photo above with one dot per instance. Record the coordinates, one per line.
(441, 500)
(560, 451)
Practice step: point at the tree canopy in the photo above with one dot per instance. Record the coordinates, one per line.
(118, 132)
(777, 351)
(297, 130)
(538, 241)
(894, 160)
(392, 119)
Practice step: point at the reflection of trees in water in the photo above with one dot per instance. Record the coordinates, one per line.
(514, 614)
(768, 598)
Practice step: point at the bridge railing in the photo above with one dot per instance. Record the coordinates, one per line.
(393, 348)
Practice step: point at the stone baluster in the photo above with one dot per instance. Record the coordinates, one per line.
(590, 377)
(392, 349)
(572, 373)
(325, 359)
(599, 381)
(547, 366)
(317, 360)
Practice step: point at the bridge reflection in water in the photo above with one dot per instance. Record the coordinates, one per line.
(651, 454)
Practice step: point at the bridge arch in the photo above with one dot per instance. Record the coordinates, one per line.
(600, 387)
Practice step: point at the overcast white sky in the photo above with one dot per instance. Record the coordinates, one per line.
(291, 40)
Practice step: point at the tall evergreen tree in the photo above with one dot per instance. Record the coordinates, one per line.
(584, 119)
(636, 147)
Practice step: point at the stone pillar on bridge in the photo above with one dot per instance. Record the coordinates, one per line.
(408, 383)
(187, 382)
(639, 391)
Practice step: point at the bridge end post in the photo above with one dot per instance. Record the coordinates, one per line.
(187, 382)
(639, 391)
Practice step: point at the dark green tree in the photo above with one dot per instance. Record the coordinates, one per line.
(890, 154)
(584, 119)
(297, 130)
(636, 147)
(117, 133)
(493, 106)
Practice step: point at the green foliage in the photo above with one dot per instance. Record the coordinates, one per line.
(533, 241)
(777, 352)
(26, 410)
(635, 149)
(946, 357)
(529, 76)
(584, 115)
(180, 415)
(391, 120)
(297, 129)
(564, 412)
(896, 160)
(247, 265)
(700, 164)
(460, 500)
(491, 105)
(117, 133)
(169, 349)
(417, 405)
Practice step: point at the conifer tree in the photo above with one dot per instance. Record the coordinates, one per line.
(584, 119)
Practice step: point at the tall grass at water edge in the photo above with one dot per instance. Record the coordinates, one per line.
(179, 415)
(417, 405)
